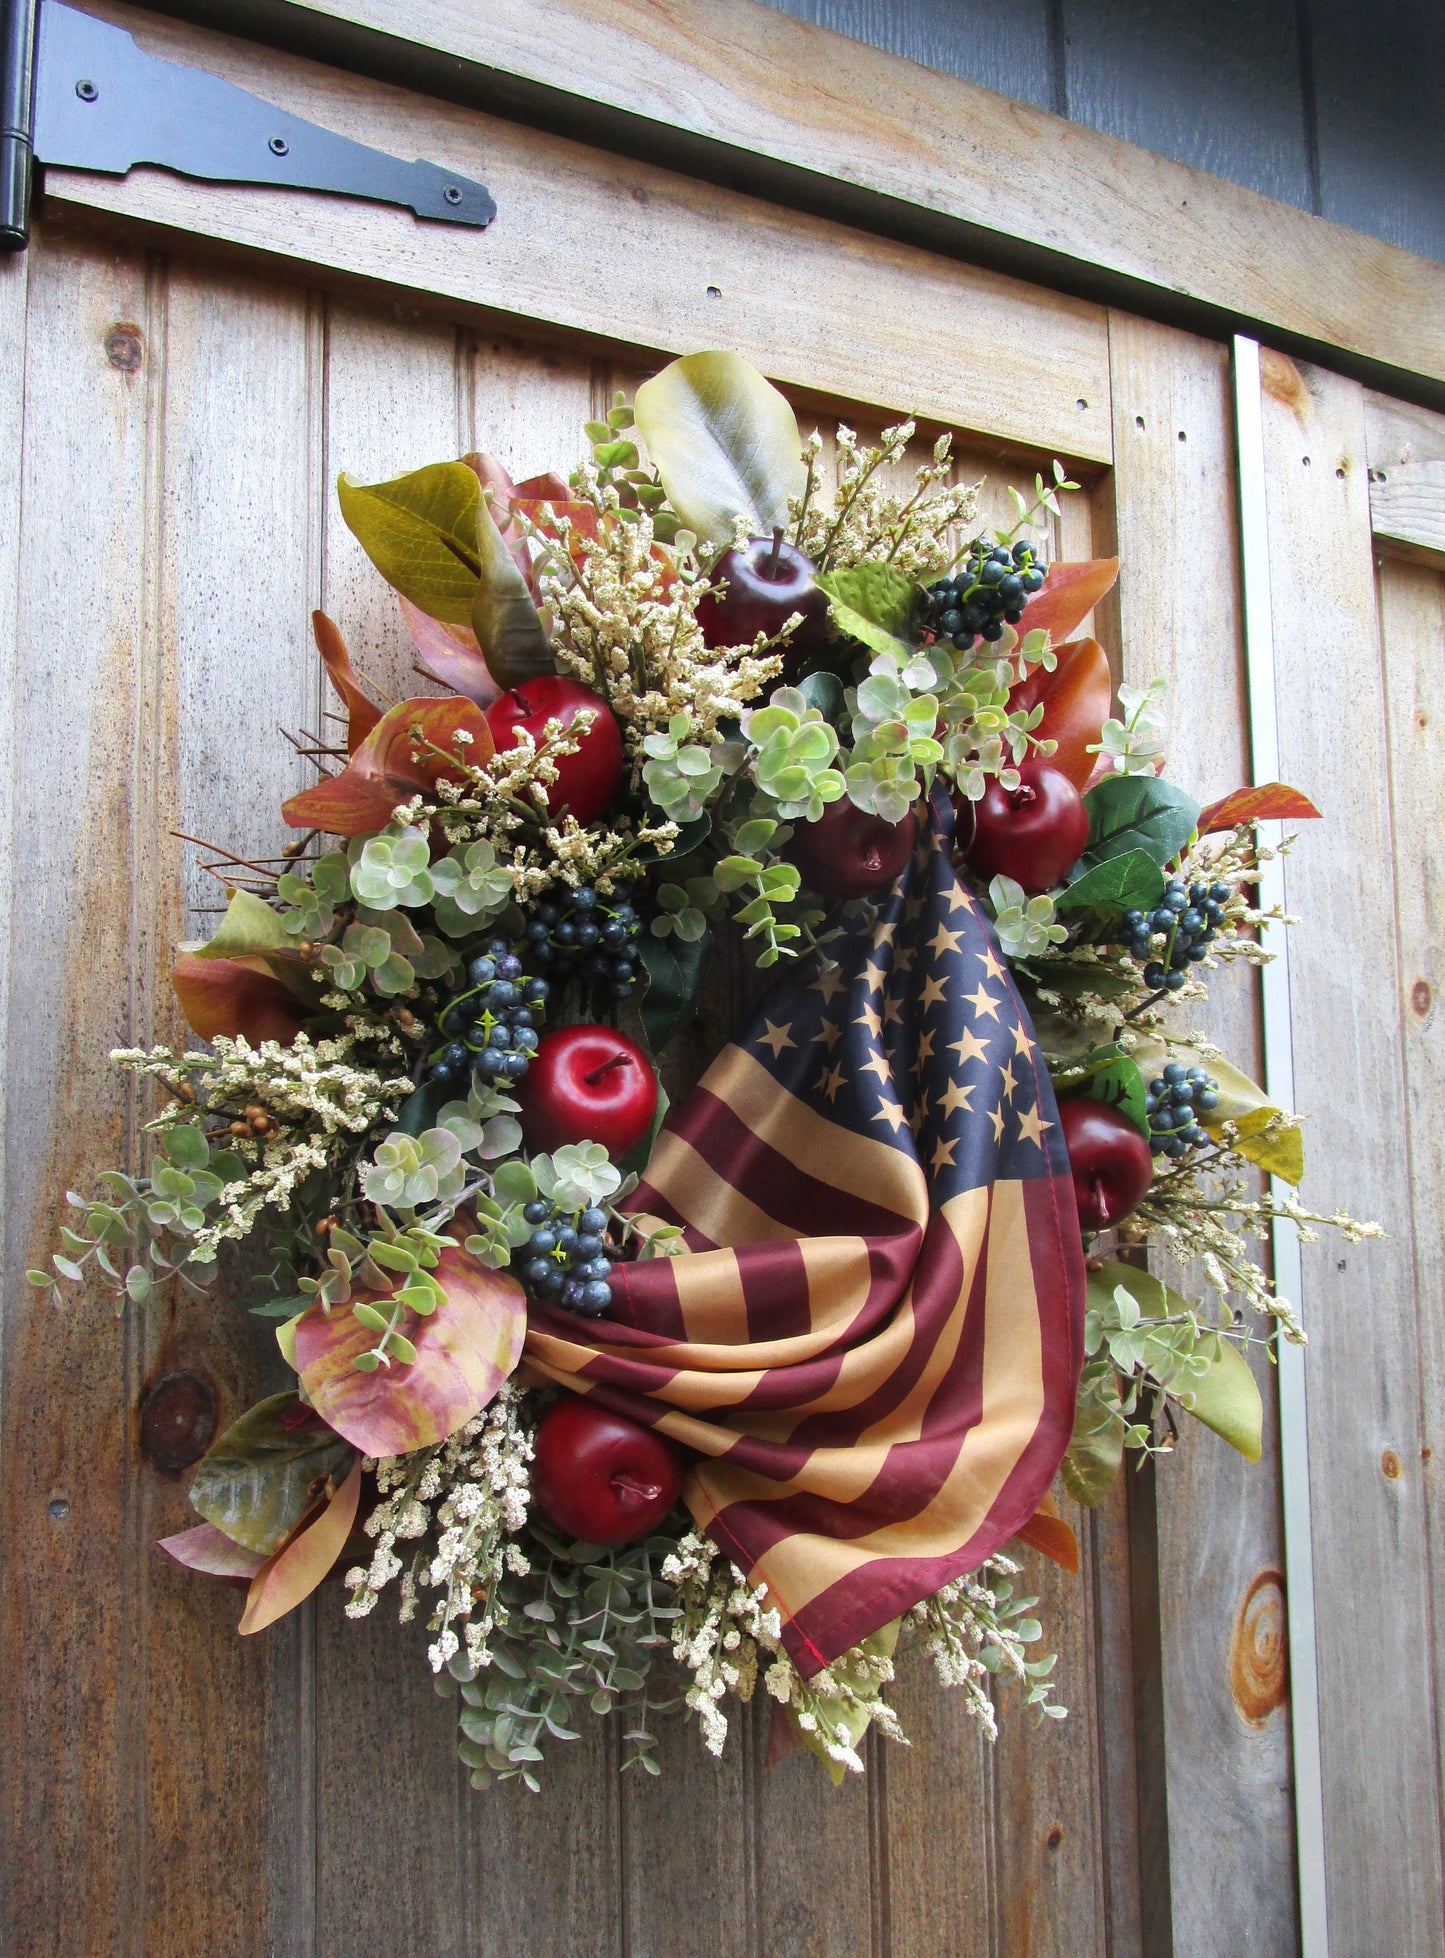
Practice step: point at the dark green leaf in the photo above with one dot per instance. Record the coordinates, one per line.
(675, 970)
(1121, 1085)
(1137, 812)
(825, 692)
(1133, 882)
(422, 1106)
(690, 836)
(260, 1478)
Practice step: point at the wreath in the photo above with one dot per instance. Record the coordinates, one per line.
(635, 1411)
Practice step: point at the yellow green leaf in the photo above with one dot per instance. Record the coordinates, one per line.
(1095, 1452)
(724, 441)
(503, 616)
(249, 926)
(420, 531)
(1242, 1102)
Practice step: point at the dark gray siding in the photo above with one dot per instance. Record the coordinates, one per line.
(1335, 105)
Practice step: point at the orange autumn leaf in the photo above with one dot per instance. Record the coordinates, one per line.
(236, 997)
(296, 1569)
(1076, 698)
(362, 712)
(408, 750)
(1046, 1531)
(464, 1351)
(1069, 593)
(1271, 800)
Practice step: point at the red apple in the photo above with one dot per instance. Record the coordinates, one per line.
(848, 853)
(586, 781)
(1035, 833)
(599, 1476)
(757, 589)
(588, 1084)
(1112, 1162)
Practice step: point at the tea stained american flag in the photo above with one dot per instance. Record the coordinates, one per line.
(874, 1337)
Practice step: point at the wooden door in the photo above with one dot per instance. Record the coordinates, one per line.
(190, 367)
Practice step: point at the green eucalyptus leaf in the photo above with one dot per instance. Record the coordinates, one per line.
(675, 970)
(259, 1479)
(420, 531)
(1133, 882)
(724, 442)
(1137, 812)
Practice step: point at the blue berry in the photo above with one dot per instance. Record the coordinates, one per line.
(596, 1298)
(537, 1211)
(593, 1221)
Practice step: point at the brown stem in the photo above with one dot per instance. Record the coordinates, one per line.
(770, 569)
(617, 1060)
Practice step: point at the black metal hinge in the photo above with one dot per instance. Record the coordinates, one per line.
(77, 93)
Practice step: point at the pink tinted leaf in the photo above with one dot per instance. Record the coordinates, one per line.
(465, 1350)
(209, 1549)
(294, 1572)
(234, 997)
(396, 759)
(449, 654)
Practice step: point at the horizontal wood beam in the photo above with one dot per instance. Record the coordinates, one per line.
(743, 96)
(1406, 450)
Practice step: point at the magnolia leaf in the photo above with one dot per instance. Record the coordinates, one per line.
(295, 1571)
(874, 604)
(465, 1350)
(1133, 882)
(853, 1720)
(449, 654)
(286, 1339)
(235, 998)
(258, 1480)
(1076, 698)
(675, 970)
(1225, 1396)
(407, 750)
(1271, 800)
(724, 442)
(503, 616)
(209, 1549)
(1095, 1453)
(1069, 593)
(420, 531)
(250, 926)
(1137, 812)
(1242, 1102)
(362, 712)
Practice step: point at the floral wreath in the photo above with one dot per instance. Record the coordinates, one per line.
(637, 1412)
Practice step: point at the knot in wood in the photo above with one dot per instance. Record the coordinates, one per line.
(124, 347)
(177, 1420)
(1259, 1654)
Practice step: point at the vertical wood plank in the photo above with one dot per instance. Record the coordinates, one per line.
(1363, 1368)
(1412, 620)
(1225, 1734)
(391, 1853)
(230, 1718)
(68, 1540)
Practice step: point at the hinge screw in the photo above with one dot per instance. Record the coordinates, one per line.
(279, 146)
(87, 91)
(452, 194)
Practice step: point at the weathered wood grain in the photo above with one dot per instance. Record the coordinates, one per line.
(1381, 1772)
(1406, 449)
(1227, 1765)
(638, 256)
(1412, 630)
(881, 142)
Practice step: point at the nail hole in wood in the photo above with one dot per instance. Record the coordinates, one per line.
(1390, 1465)
(1421, 998)
(1138, 421)
(57, 1510)
(1081, 403)
(714, 292)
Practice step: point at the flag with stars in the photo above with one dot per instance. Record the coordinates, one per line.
(872, 1342)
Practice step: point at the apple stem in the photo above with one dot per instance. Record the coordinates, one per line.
(617, 1060)
(649, 1491)
(770, 569)
(1101, 1200)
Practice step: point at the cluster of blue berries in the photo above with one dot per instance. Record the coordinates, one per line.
(564, 1262)
(491, 1027)
(581, 934)
(988, 591)
(1175, 1102)
(1185, 922)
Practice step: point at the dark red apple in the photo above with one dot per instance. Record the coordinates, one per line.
(588, 1084)
(1035, 833)
(1112, 1162)
(586, 781)
(848, 853)
(757, 589)
(599, 1476)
